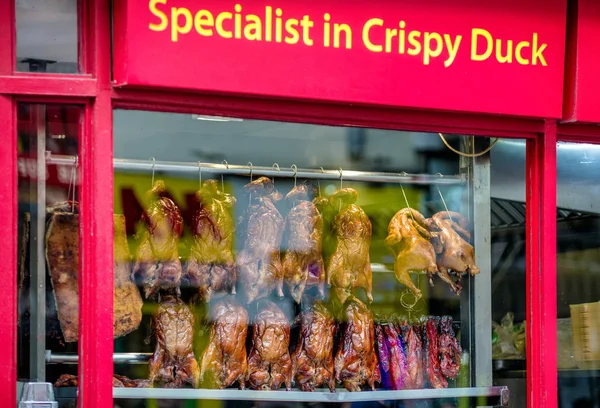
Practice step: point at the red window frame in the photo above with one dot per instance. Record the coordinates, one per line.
(93, 90)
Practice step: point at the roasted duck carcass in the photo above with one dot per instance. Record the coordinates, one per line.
(432, 360)
(303, 265)
(356, 358)
(211, 267)
(62, 257)
(449, 349)
(408, 239)
(157, 258)
(173, 362)
(269, 362)
(259, 262)
(411, 334)
(312, 361)
(224, 361)
(350, 265)
(450, 238)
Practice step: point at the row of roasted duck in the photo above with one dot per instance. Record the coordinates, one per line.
(395, 354)
(438, 245)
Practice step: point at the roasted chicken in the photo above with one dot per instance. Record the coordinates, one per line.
(211, 266)
(408, 239)
(224, 361)
(449, 349)
(303, 265)
(269, 362)
(450, 239)
(173, 362)
(312, 361)
(157, 258)
(259, 262)
(350, 265)
(356, 358)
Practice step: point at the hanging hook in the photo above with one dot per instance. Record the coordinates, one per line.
(275, 166)
(341, 178)
(319, 181)
(222, 182)
(72, 183)
(442, 197)
(251, 170)
(199, 175)
(153, 165)
(295, 168)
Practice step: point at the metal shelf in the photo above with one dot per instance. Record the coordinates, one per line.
(499, 394)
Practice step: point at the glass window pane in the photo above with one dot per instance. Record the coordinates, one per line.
(47, 39)
(578, 274)
(48, 242)
(194, 228)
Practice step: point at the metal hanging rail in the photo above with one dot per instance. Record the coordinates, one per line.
(247, 170)
(118, 358)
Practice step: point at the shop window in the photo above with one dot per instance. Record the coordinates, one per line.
(578, 274)
(48, 240)
(47, 38)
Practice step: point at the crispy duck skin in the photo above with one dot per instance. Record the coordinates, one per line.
(408, 239)
(356, 358)
(449, 349)
(157, 258)
(312, 361)
(411, 334)
(432, 360)
(259, 261)
(173, 362)
(395, 345)
(269, 361)
(350, 265)
(224, 361)
(384, 358)
(303, 265)
(450, 239)
(211, 266)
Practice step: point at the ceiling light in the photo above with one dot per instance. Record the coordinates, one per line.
(216, 118)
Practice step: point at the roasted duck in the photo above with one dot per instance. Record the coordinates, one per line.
(303, 265)
(312, 361)
(269, 362)
(450, 238)
(259, 262)
(211, 267)
(411, 334)
(62, 257)
(408, 239)
(356, 358)
(173, 362)
(68, 380)
(157, 258)
(224, 361)
(350, 265)
(449, 349)
(432, 360)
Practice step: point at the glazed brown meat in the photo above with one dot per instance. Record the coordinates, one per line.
(157, 258)
(450, 238)
(356, 359)
(350, 265)
(173, 362)
(259, 261)
(68, 380)
(224, 361)
(312, 361)
(303, 265)
(411, 334)
(408, 239)
(211, 267)
(269, 362)
(432, 358)
(449, 349)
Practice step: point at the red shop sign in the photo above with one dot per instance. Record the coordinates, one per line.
(488, 56)
(582, 93)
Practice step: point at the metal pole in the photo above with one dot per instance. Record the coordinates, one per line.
(37, 289)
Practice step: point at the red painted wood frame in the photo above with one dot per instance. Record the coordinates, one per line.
(93, 90)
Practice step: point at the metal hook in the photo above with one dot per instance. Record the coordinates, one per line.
(153, 165)
(251, 170)
(319, 181)
(222, 182)
(199, 175)
(275, 166)
(72, 183)
(295, 168)
(442, 197)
